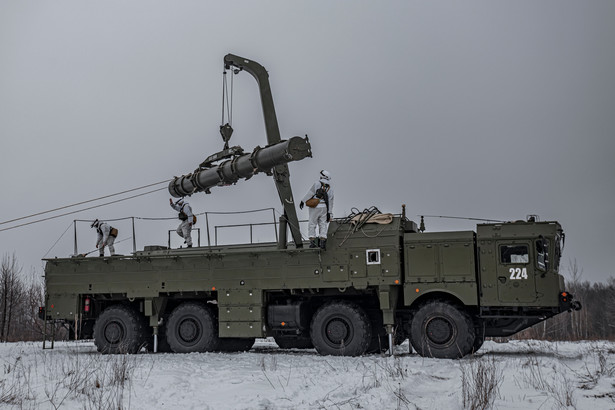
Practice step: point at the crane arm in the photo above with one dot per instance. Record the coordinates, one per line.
(281, 173)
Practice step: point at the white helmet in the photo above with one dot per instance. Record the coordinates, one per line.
(325, 176)
(95, 224)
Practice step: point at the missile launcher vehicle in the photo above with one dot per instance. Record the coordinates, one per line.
(380, 281)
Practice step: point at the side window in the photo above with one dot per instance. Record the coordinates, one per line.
(542, 254)
(514, 254)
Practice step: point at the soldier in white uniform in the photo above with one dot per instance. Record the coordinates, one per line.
(319, 199)
(186, 217)
(106, 237)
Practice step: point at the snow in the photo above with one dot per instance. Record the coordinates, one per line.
(532, 375)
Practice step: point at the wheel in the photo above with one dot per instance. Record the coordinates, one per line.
(192, 328)
(236, 344)
(119, 329)
(439, 329)
(294, 342)
(341, 329)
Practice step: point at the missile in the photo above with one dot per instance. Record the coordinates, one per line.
(240, 167)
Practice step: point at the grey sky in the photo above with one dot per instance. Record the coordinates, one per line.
(478, 109)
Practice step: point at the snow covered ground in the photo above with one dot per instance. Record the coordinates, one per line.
(522, 375)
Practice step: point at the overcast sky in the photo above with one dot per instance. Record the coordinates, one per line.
(475, 109)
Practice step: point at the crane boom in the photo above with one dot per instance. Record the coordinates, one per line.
(273, 158)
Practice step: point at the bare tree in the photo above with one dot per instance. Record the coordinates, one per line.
(9, 293)
(20, 297)
(594, 321)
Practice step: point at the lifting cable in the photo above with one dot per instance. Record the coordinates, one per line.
(227, 100)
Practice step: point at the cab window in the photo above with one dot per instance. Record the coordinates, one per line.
(514, 254)
(559, 246)
(542, 254)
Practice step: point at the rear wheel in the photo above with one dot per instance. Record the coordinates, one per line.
(341, 329)
(192, 328)
(119, 329)
(441, 330)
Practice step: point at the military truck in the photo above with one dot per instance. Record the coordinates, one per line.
(380, 280)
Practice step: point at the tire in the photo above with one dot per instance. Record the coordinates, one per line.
(441, 330)
(119, 329)
(341, 329)
(236, 344)
(296, 342)
(192, 328)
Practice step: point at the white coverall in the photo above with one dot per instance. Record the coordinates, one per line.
(105, 239)
(185, 227)
(318, 215)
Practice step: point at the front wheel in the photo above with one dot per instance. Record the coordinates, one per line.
(119, 329)
(192, 328)
(441, 330)
(341, 329)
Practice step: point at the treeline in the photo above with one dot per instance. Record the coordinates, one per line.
(595, 321)
(21, 295)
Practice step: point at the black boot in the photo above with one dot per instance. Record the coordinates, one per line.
(313, 242)
(323, 244)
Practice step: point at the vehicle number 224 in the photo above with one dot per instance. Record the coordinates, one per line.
(518, 273)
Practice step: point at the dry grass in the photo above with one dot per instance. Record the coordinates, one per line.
(480, 382)
(96, 381)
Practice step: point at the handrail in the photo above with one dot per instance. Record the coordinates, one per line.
(207, 226)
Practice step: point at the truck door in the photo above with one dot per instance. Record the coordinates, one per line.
(515, 272)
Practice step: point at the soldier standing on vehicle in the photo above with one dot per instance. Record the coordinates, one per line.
(319, 199)
(106, 236)
(187, 219)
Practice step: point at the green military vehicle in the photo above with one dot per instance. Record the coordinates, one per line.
(380, 280)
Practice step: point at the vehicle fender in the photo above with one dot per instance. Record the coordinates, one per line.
(465, 292)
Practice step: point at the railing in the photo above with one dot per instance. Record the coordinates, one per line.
(198, 238)
(251, 225)
(217, 228)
